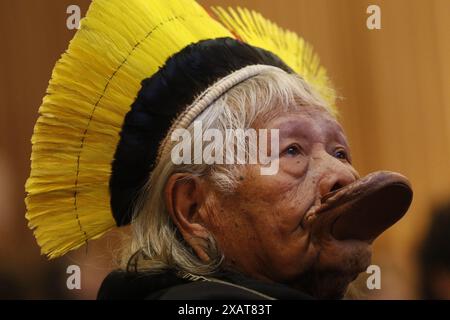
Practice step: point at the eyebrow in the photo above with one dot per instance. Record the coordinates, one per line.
(292, 128)
(341, 138)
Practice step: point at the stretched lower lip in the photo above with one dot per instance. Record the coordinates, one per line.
(365, 208)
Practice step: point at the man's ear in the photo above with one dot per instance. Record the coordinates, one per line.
(184, 196)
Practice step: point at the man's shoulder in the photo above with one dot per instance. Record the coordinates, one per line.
(169, 285)
(208, 290)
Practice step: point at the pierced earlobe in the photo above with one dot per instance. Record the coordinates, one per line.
(184, 197)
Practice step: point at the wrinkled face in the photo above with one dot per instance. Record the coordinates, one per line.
(265, 229)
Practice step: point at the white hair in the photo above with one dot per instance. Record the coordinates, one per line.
(156, 244)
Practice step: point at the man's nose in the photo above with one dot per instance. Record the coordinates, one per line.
(335, 176)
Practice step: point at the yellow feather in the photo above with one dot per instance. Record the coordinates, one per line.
(93, 85)
(258, 31)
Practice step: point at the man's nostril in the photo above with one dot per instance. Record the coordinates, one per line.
(336, 186)
(331, 192)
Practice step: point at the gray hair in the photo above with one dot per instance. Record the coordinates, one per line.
(155, 237)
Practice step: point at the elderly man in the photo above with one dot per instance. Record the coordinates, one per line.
(275, 212)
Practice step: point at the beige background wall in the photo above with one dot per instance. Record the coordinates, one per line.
(395, 109)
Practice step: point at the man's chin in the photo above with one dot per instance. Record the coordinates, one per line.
(326, 285)
(336, 266)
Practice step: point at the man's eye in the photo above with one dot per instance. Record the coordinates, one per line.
(293, 150)
(341, 154)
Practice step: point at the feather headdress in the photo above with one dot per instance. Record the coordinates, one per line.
(89, 120)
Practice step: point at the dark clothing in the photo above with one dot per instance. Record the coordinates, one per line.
(169, 286)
